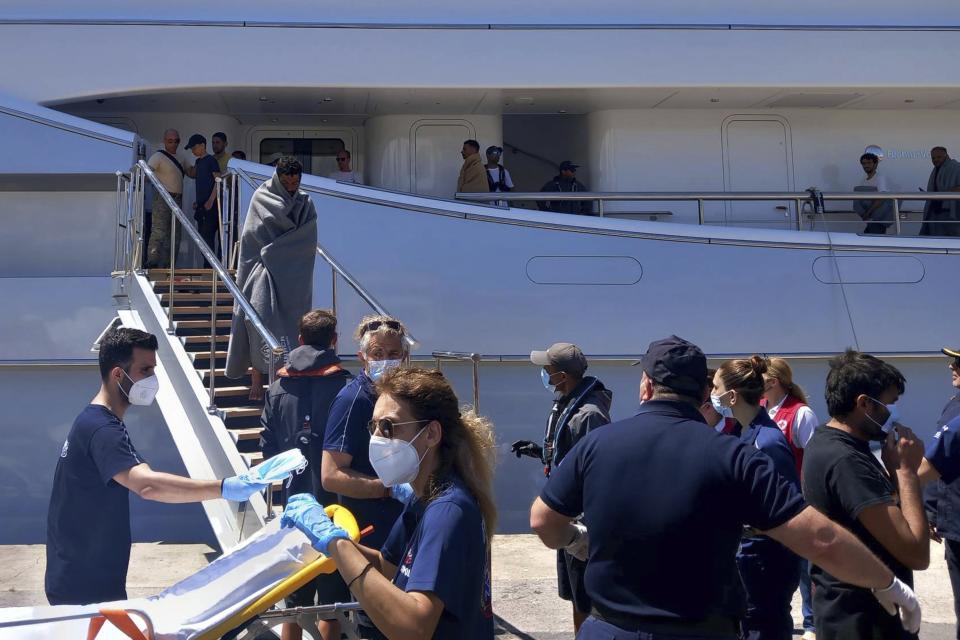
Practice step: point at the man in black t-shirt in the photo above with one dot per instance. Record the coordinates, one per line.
(205, 172)
(665, 498)
(88, 522)
(843, 480)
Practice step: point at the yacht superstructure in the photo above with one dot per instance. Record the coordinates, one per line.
(698, 132)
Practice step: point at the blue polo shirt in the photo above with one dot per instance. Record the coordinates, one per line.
(943, 451)
(88, 522)
(348, 431)
(665, 498)
(440, 548)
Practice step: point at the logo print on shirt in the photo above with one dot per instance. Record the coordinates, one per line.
(63, 450)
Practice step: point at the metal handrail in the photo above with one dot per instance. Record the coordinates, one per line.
(337, 269)
(798, 197)
(219, 273)
(462, 356)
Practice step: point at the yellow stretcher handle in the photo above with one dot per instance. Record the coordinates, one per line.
(341, 517)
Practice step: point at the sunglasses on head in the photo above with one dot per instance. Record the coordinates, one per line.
(385, 426)
(373, 325)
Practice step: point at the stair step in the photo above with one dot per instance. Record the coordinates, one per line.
(156, 274)
(205, 355)
(200, 324)
(194, 311)
(251, 433)
(241, 412)
(194, 297)
(187, 284)
(223, 337)
(231, 392)
(252, 459)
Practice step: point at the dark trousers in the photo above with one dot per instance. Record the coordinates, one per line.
(951, 550)
(876, 228)
(769, 578)
(806, 595)
(595, 629)
(207, 226)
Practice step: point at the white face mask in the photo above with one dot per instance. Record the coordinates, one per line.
(726, 412)
(376, 368)
(887, 426)
(395, 460)
(143, 391)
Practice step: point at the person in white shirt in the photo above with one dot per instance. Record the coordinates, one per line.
(497, 176)
(787, 406)
(344, 173)
(878, 214)
(170, 171)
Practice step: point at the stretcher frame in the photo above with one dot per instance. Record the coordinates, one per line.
(255, 615)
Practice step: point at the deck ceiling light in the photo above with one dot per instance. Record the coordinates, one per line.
(714, 100)
(909, 100)
(264, 98)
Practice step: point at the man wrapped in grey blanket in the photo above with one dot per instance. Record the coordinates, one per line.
(275, 271)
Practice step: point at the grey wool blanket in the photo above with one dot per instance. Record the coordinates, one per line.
(278, 248)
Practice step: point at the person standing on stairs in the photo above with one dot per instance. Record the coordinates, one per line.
(170, 173)
(278, 248)
(205, 172)
(88, 521)
(294, 416)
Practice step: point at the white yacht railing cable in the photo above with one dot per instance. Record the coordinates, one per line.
(338, 270)
(836, 265)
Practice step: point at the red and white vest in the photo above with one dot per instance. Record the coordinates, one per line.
(786, 419)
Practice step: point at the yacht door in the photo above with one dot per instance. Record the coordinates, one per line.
(436, 155)
(757, 157)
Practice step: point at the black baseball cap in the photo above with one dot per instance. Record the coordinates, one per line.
(676, 363)
(566, 165)
(194, 140)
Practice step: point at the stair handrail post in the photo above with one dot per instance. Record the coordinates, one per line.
(212, 407)
(333, 290)
(173, 269)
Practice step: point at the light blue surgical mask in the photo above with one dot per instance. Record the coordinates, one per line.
(545, 378)
(376, 368)
(726, 412)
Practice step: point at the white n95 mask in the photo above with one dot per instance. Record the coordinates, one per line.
(143, 391)
(379, 367)
(395, 461)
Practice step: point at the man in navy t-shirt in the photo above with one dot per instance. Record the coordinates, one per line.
(664, 499)
(88, 522)
(205, 172)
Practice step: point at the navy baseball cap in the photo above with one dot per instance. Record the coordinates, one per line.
(676, 363)
(566, 165)
(194, 140)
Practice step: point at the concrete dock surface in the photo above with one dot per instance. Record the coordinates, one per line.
(524, 584)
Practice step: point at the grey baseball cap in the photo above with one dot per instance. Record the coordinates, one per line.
(564, 356)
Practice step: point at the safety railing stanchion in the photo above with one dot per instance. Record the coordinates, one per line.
(475, 357)
(896, 216)
(173, 269)
(333, 290)
(600, 208)
(212, 408)
(700, 211)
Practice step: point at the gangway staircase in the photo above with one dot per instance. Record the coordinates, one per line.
(215, 425)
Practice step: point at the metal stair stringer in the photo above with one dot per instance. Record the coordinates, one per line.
(202, 439)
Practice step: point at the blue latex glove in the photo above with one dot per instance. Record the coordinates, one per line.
(305, 513)
(240, 488)
(402, 492)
